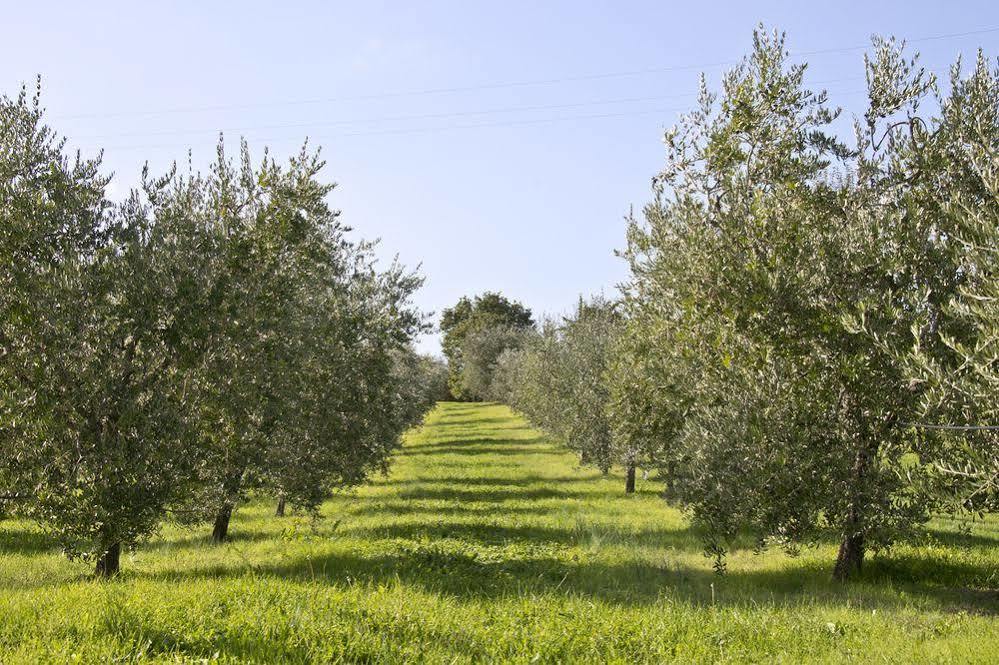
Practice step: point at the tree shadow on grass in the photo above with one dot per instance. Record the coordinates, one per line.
(508, 448)
(501, 436)
(454, 405)
(476, 561)
(513, 493)
(486, 561)
(913, 567)
(203, 538)
(520, 480)
(467, 574)
(575, 486)
(464, 423)
(956, 531)
(152, 640)
(682, 539)
(396, 508)
(23, 538)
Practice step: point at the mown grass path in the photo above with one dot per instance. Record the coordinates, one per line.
(487, 542)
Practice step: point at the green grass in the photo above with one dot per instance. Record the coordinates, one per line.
(487, 542)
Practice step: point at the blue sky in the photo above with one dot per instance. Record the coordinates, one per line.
(497, 144)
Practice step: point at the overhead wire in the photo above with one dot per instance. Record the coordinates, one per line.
(501, 84)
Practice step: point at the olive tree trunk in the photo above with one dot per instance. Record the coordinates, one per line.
(110, 562)
(850, 559)
(231, 482)
(629, 483)
(220, 532)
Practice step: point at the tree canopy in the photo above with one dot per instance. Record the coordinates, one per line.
(779, 279)
(468, 317)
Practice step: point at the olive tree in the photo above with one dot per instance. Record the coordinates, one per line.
(211, 335)
(363, 389)
(776, 277)
(91, 419)
(560, 379)
(294, 390)
(532, 378)
(506, 374)
(587, 339)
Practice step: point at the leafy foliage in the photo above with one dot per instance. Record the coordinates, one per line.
(297, 389)
(775, 280)
(91, 403)
(212, 335)
(955, 351)
(470, 316)
(480, 354)
(561, 382)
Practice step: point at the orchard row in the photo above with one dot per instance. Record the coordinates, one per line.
(211, 336)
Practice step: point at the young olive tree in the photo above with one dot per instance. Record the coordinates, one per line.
(365, 389)
(506, 372)
(433, 373)
(560, 380)
(587, 339)
(533, 379)
(637, 410)
(294, 390)
(775, 280)
(92, 427)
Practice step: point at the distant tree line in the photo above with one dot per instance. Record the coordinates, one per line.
(807, 346)
(211, 336)
(474, 333)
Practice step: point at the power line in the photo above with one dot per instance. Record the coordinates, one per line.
(931, 38)
(422, 116)
(428, 130)
(394, 118)
(501, 85)
(388, 95)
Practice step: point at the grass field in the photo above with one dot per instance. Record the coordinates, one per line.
(486, 542)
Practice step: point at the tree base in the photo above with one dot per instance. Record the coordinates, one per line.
(220, 532)
(110, 562)
(850, 559)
